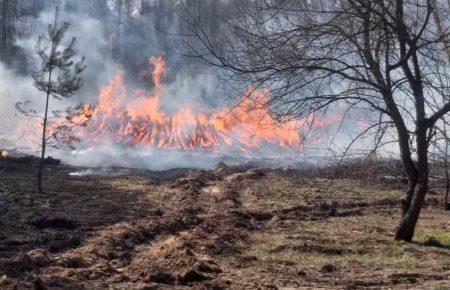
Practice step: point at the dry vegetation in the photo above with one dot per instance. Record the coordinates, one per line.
(224, 229)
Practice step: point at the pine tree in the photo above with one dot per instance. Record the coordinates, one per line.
(59, 76)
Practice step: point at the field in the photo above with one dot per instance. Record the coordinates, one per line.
(229, 228)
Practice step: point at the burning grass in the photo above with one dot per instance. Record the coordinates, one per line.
(230, 228)
(136, 118)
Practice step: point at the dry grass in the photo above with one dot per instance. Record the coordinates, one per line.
(217, 230)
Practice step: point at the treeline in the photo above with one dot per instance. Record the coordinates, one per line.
(135, 27)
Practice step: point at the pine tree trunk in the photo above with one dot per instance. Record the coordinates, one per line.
(44, 142)
(44, 130)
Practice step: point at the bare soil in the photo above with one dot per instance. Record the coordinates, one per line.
(223, 229)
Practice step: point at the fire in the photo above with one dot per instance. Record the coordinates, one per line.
(135, 118)
(158, 73)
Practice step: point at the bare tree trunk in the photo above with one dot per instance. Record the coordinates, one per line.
(440, 29)
(413, 203)
(407, 161)
(447, 187)
(445, 159)
(405, 230)
(406, 202)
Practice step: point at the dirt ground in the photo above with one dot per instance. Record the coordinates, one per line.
(221, 229)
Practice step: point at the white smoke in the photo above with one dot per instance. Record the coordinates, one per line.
(183, 87)
(186, 85)
(16, 129)
(13, 89)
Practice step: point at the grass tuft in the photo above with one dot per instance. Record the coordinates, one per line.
(432, 241)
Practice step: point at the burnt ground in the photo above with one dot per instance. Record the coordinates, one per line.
(221, 229)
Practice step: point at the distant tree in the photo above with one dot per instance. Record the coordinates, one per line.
(8, 15)
(58, 77)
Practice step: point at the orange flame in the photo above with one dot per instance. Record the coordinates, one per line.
(158, 73)
(136, 119)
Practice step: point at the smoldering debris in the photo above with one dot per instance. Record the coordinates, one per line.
(105, 171)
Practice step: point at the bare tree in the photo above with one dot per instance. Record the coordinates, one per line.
(8, 15)
(58, 77)
(440, 12)
(387, 57)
